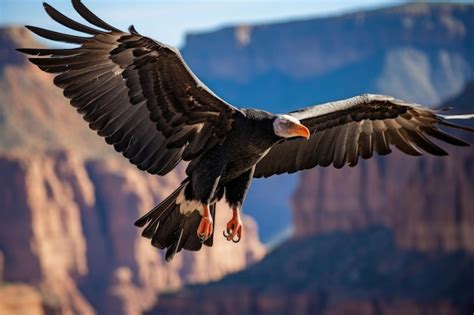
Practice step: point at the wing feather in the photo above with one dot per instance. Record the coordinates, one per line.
(137, 93)
(343, 131)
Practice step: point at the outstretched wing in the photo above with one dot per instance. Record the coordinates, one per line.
(137, 93)
(344, 130)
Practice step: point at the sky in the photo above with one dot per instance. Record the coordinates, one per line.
(169, 21)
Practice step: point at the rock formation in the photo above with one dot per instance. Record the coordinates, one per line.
(68, 203)
(68, 211)
(67, 228)
(20, 300)
(361, 272)
(427, 201)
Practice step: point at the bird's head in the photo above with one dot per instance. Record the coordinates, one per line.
(287, 126)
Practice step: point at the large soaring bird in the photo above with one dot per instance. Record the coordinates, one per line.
(140, 95)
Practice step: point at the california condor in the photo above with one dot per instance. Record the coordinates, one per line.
(140, 95)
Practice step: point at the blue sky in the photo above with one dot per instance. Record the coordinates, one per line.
(168, 21)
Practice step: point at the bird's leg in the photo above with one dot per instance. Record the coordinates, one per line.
(204, 230)
(234, 226)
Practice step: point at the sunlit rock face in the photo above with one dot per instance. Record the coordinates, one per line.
(68, 203)
(20, 299)
(426, 201)
(67, 228)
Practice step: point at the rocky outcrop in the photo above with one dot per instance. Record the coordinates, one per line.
(361, 272)
(131, 264)
(20, 299)
(34, 114)
(72, 221)
(426, 201)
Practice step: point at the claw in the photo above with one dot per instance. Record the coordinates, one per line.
(234, 227)
(236, 240)
(204, 230)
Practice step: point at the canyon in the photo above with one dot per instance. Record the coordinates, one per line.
(68, 203)
(391, 236)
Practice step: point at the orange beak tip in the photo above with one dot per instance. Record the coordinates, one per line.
(305, 132)
(302, 131)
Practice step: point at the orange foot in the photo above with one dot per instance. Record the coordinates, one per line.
(234, 227)
(204, 230)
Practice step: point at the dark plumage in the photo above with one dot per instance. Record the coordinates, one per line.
(140, 95)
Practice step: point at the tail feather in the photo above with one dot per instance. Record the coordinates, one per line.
(176, 246)
(169, 229)
(190, 240)
(157, 211)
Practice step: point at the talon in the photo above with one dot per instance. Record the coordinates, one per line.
(236, 240)
(204, 230)
(234, 227)
(239, 235)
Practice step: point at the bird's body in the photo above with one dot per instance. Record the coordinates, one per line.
(226, 170)
(140, 95)
(246, 143)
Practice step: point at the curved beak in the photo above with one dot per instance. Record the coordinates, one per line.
(299, 130)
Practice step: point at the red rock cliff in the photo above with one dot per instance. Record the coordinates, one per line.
(426, 201)
(67, 228)
(68, 203)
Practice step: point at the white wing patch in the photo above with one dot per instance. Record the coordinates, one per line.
(186, 207)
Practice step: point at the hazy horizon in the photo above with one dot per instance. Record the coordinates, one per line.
(159, 19)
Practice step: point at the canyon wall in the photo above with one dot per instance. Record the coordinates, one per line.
(68, 203)
(67, 229)
(427, 201)
(358, 272)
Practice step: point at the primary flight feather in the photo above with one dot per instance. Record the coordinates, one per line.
(140, 95)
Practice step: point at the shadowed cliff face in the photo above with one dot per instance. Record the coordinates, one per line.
(68, 203)
(426, 201)
(361, 272)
